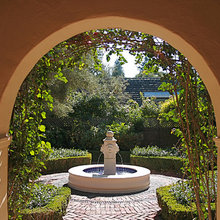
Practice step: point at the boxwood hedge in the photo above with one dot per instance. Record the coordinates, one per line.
(60, 165)
(170, 208)
(53, 210)
(167, 165)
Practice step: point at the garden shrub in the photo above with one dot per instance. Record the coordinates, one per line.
(59, 165)
(154, 151)
(178, 201)
(167, 165)
(126, 138)
(167, 116)
(185, 195)
(55, 209)
(41, 195)
(60, 153)
(170, 208)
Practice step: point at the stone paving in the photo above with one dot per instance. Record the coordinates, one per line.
(90, 206)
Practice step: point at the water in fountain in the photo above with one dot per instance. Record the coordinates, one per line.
(99, 157)
(121, 162)
(120, 158)
(100, 170)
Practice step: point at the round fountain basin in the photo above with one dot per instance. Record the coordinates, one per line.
(90, 178)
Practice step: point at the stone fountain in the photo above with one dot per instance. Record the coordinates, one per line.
(109, 149)
(109, 177)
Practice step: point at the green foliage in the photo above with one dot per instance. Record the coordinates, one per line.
(169, 165)
(81, 122)
(185, 195)
(167, 115)
(126, 136)
(90, 114)
(41, 195)
(119, 128)
(59, 165)
(170, 208)
(117, 70)
(60, 153)
(178, 201)
(149, 107)
(61, 160)
(29, 148)
(55, 209)
(195, 115)
(154, 151)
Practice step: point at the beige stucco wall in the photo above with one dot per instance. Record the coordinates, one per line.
(28, 29)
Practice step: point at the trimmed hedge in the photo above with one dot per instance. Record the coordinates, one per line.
(60, 165)
(53, 210)
(170, 209)
(166, 165)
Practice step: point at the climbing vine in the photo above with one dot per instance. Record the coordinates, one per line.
(197, 129)
(28, 149)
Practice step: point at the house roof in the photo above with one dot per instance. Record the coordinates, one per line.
(148, 86)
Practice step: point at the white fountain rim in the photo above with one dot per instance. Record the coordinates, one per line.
(79, 171)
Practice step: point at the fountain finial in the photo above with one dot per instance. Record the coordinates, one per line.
(110, 134)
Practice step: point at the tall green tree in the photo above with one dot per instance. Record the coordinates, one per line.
(117, 69)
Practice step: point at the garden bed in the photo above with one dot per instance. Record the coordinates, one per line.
(59, 165)
(53, 210)
(169, 165)
(172, 210)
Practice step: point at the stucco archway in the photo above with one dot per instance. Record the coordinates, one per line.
(9, 93)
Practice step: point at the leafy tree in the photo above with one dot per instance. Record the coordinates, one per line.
(148, 70)
(117, 69)
(86, 114)
(167, 115)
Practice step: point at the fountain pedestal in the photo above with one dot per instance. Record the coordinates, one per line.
(109, 149)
